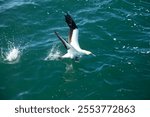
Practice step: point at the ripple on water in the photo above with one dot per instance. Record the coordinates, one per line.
(23, 93)
(12, 4)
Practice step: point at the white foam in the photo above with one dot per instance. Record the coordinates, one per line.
(54, 54)
(13, 54)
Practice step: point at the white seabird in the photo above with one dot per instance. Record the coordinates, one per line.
(73, 49)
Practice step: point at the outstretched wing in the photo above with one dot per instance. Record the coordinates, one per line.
(72, 25)
(73, 34)
(71, 50)
(64, 42)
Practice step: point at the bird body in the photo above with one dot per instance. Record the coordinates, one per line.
(73, 48)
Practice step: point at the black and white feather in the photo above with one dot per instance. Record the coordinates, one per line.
(72, 46)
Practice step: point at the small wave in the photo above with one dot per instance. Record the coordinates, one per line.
(54, 54)
(12, 4)
(124, 90)
(98, 69)
(23, 93)
(10, 55)
(137, 49)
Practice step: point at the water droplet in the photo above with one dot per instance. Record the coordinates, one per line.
(48, 13)
(129, 63)
(148, 52)
(114, 39)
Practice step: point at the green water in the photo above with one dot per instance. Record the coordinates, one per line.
(116, 31)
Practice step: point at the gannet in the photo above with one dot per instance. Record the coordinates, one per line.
(73, 48)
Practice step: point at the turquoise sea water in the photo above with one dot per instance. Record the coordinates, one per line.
(116, 31)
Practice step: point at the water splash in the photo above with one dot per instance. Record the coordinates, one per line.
(54, 54)
(10, 55)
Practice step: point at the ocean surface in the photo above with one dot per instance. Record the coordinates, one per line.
(116, 31)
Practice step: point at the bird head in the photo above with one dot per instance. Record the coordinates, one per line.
(89, 53)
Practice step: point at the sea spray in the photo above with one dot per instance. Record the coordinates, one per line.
(10, 55)
(13, 54)
(54, 54)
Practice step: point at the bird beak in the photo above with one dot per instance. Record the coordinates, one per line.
(93, 54)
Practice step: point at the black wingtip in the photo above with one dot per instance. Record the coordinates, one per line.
(69, 20)
(55, 32)
(61, 39)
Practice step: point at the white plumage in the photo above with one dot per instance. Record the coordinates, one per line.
(73, 48)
